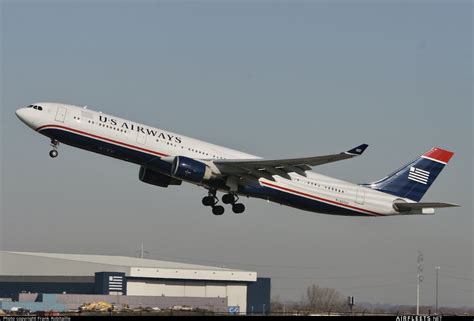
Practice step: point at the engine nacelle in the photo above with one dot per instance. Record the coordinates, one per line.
(152, 177)
(188, 169)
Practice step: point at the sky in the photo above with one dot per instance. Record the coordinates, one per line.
(276, 79)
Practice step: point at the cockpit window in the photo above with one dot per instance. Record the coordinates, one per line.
(36, 107)
(29, 106)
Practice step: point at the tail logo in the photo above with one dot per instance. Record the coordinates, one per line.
(418, 175)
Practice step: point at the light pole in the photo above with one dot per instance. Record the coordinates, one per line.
(350, 302)
(437, 270)
(142, 252)
(418, 298)
(419, 280)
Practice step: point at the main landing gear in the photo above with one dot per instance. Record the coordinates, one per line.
(230, 198)
(212, 200)
(54, 152)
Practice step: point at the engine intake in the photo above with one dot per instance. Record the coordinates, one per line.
(188, 169)
(152, 177)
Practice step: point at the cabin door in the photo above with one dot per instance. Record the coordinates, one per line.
(61, 114)
(360, 196)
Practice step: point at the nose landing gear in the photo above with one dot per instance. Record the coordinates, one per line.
(54, 152)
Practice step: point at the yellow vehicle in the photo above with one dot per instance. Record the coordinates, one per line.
(97, 306)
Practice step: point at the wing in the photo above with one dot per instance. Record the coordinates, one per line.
(406, 207)
(257, 168)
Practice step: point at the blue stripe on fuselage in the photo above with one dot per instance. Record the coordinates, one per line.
(152, 161)
(107, 149)
(296, 201)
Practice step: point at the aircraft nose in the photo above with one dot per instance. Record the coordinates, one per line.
(20, 113)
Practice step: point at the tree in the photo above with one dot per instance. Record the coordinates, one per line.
(323, 299)
(276, 305)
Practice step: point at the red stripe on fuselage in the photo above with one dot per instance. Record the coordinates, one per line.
(100, 137)
(161, 154)
(321, 199)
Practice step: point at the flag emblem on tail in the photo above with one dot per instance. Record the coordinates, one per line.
(418, 175)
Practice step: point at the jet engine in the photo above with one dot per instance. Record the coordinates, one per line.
(152, 177)
(188, 169)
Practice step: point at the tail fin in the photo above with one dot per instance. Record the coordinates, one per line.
(413, 180)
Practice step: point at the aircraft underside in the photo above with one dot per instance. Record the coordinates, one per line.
(275, 194)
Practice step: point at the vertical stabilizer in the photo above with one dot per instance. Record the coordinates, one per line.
(413, 180)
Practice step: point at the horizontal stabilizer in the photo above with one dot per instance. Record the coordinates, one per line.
(406, 207)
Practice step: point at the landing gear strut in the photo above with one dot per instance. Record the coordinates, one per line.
(54, 152)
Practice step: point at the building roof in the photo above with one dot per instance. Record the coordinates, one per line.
(35, 263)
(120, 261)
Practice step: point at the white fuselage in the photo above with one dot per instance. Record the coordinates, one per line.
(92, 127)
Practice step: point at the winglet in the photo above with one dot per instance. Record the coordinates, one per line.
(358, 150)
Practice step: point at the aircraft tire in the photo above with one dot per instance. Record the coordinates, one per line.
(53, 153)
(228, 198)
(218, 210)
(208, 201)
(238, 208)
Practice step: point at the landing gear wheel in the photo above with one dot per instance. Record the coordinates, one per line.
(238, 208)
(53, 153)
(218, 210)
(208, 201)
(228, 198)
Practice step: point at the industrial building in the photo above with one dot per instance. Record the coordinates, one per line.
(77, 279)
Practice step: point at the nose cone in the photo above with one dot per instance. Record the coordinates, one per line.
(24, 114)
(20, 113)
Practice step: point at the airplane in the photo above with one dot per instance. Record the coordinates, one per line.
(166, 158)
